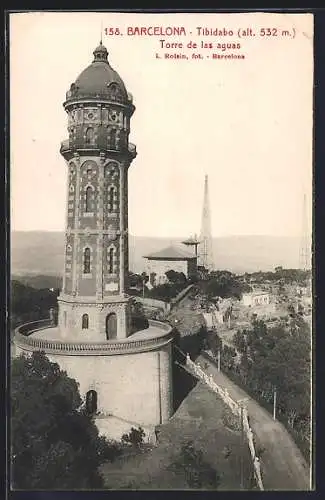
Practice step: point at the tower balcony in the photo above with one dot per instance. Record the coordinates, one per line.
(67, 149)
(44, 336)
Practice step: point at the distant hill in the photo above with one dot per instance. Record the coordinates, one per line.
(42, 252)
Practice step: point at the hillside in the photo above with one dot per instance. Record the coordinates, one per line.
(42, 252)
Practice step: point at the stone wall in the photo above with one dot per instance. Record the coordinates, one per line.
(135, 387)
(237, 409)
(181, 295)
(160, 304)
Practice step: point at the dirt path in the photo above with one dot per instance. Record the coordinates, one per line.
(282, 464)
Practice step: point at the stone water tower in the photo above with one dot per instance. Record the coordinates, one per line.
(123, 374)
(98, 155)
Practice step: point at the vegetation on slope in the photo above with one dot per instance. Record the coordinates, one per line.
(54, 443)
(274, 359)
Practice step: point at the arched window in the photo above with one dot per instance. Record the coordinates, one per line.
(111, 326)
(89, 135)
(113, 139)
(87, 261)
(85, 322)
(111, 199)
(111, 261)
(89, 205)
(91, 402)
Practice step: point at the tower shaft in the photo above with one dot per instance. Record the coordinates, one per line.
(93, 304)
(205, 246)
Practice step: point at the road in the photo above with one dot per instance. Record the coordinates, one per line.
(282, 464)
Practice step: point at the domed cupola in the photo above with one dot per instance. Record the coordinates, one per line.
(99, 109)
(99, 81)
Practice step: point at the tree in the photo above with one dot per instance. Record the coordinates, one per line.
(222, 284)
(279, 357)
(175, 277)
(135, 437)
(144, 278)
(55, 445)
(228, 357)
(135, 280)
(31, 304)
(214, 342)
(198, 473)
(203, 337)
(152, 278)
(279, 275)
(139, 320)
(239, 341)
(166, 291)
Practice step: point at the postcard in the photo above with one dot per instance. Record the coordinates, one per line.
(161, 235)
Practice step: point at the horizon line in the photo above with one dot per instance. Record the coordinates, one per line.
(233, 235)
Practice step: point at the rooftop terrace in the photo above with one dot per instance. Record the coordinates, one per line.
(42, 335)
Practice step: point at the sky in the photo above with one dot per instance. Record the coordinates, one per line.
(246, 123)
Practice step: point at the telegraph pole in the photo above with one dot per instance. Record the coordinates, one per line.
(242, 402)
(274, 403)
(219, 359)
(242, 448)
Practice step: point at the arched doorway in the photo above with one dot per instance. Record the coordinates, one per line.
(85, 322)
(91, 402)
(111, 326)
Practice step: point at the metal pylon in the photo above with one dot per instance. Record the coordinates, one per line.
(205, 247)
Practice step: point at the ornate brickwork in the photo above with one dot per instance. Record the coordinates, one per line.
(96, 251)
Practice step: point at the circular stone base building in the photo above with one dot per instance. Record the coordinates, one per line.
(125, 377)
(129, 381)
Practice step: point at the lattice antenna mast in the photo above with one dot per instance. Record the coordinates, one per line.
(205, 247)
(304, 253)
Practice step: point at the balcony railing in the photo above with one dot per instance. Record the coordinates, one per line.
(24, 339)
(99, 145)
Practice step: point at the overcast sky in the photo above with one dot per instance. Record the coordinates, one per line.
(245, 123)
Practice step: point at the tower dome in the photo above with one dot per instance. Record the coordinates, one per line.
(99, 80)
